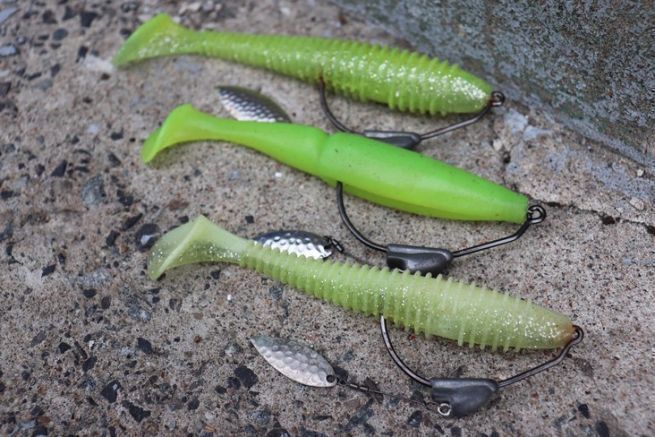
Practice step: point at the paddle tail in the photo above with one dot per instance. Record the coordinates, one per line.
(447, 308)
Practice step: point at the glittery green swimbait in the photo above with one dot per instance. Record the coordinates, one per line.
(403, 80)
(432, 306)
(370, 169)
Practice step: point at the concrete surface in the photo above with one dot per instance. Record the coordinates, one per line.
(590, 64)
(89, 345)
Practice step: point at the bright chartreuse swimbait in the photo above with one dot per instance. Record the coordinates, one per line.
(432, 306)
(403, 80)
(370, 169)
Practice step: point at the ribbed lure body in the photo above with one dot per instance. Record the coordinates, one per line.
(404, 80)
(432, 306)
(388, 175)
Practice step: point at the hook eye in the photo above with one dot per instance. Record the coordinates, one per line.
(444, 409)
(497, 99)
(536, 214)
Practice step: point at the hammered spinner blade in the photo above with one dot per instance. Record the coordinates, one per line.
(296, 361)
(300, 243)
(248, 105)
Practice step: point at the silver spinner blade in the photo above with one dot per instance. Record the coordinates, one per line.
(296, 361)
(300, 243)
(248, 105)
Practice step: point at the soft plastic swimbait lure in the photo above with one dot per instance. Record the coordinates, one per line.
(432, 306)
(370, 169)
(403, 80)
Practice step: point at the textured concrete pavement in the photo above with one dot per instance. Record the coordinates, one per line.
(89, 345)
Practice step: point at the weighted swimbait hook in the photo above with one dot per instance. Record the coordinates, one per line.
(405, 139)
(244, 104)
(303, 365)
(451, 397)
(459, 397)
(428, 259)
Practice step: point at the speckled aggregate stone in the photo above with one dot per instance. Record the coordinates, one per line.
(89, 345)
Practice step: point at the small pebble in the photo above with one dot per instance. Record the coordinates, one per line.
(48, 17)
(261, 417)
(59, 34)
(415, 419)
(278, 432)
(47, 270)
(191, 7)
(146, 236)
(144, 346)
(130, 6)
(136, 412)
(81, 53)
(6, 13)
(93, 129)
(208, 6)
(93, 191)
(87, 17)
(8, 50)
(637, 204)
(110, 392)
(193, 404)
(232, 349)
(131, 221)
(111, 238)
(99, 65)
(247, 377)
(89, 364)
(89, 293)
(233, 383)
(113, 160)
(640, 172)
(4, 88)
(137, 312)
(38, 338)
(68, 13)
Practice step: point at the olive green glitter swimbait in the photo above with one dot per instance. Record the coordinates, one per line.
(432, 306)
(373, 170)
(403, 80)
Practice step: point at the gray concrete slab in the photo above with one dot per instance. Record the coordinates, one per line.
(89, 345)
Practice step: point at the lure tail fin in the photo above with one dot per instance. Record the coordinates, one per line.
(197, 241)
(295, 145)
(159, 36)
(181, 125)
